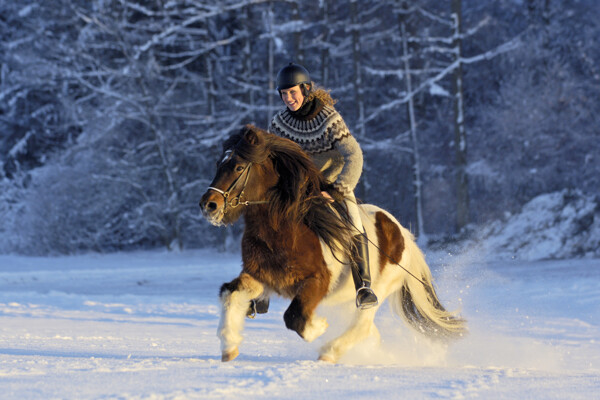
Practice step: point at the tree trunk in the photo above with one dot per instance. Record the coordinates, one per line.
(538, 12)
(298, 50)
(460, 136)
(270, 61)
(356, 59)
(247, 51)
(358, 90)
(210, 88)
(325, 48)
(420, 231)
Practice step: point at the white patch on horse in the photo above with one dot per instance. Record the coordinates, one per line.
(314, 328)
(228, 155)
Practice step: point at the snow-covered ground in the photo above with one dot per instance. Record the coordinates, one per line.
(143, 326)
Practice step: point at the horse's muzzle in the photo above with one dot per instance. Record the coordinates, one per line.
(212, 207)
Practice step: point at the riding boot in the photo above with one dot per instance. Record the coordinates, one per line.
(257, 306)
(365, 297)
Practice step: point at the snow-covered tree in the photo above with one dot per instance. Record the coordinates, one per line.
(112, 112)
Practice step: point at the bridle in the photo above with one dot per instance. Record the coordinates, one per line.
(236, 200)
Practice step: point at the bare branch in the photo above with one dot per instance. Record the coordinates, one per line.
(503, 48)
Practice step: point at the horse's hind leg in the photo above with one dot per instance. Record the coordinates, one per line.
(362, 326)
(235, 297)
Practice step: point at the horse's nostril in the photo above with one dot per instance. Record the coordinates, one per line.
(210, 206)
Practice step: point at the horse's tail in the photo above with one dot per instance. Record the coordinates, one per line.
(417, 302)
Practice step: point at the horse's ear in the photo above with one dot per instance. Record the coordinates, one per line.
(252, 135)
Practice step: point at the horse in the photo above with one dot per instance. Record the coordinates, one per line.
(295, 244)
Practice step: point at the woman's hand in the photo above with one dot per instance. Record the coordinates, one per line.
(327, 196)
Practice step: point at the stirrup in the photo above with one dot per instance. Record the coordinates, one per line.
(366, 306)
(257, 306)
(251, 312)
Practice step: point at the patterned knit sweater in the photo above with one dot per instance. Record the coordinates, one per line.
(322, 133)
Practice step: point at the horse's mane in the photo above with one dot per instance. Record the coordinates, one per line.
(296, 198)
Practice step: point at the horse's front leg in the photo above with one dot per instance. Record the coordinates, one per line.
(300, 315)
(235, 297)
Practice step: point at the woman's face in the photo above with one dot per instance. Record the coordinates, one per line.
(292, 97)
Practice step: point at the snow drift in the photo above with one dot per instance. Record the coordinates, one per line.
(557, 225)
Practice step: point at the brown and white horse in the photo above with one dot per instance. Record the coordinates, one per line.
(295, 245)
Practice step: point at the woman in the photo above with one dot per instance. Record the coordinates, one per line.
(310, 120)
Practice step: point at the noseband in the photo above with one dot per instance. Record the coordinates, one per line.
(236, 200)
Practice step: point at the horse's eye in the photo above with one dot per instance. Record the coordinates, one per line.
(239, 168)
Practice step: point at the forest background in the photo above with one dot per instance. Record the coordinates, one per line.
(112, 112)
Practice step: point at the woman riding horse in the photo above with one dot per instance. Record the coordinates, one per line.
(311, 120)
(294, 245)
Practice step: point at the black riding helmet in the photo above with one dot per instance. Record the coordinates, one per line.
(292, 75)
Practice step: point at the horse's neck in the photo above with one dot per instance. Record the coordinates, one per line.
(259, 225)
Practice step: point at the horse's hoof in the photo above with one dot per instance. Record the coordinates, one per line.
(326, 358)
(230, 354)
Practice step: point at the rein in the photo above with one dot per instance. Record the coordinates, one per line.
(236, 200)
(364, 234)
